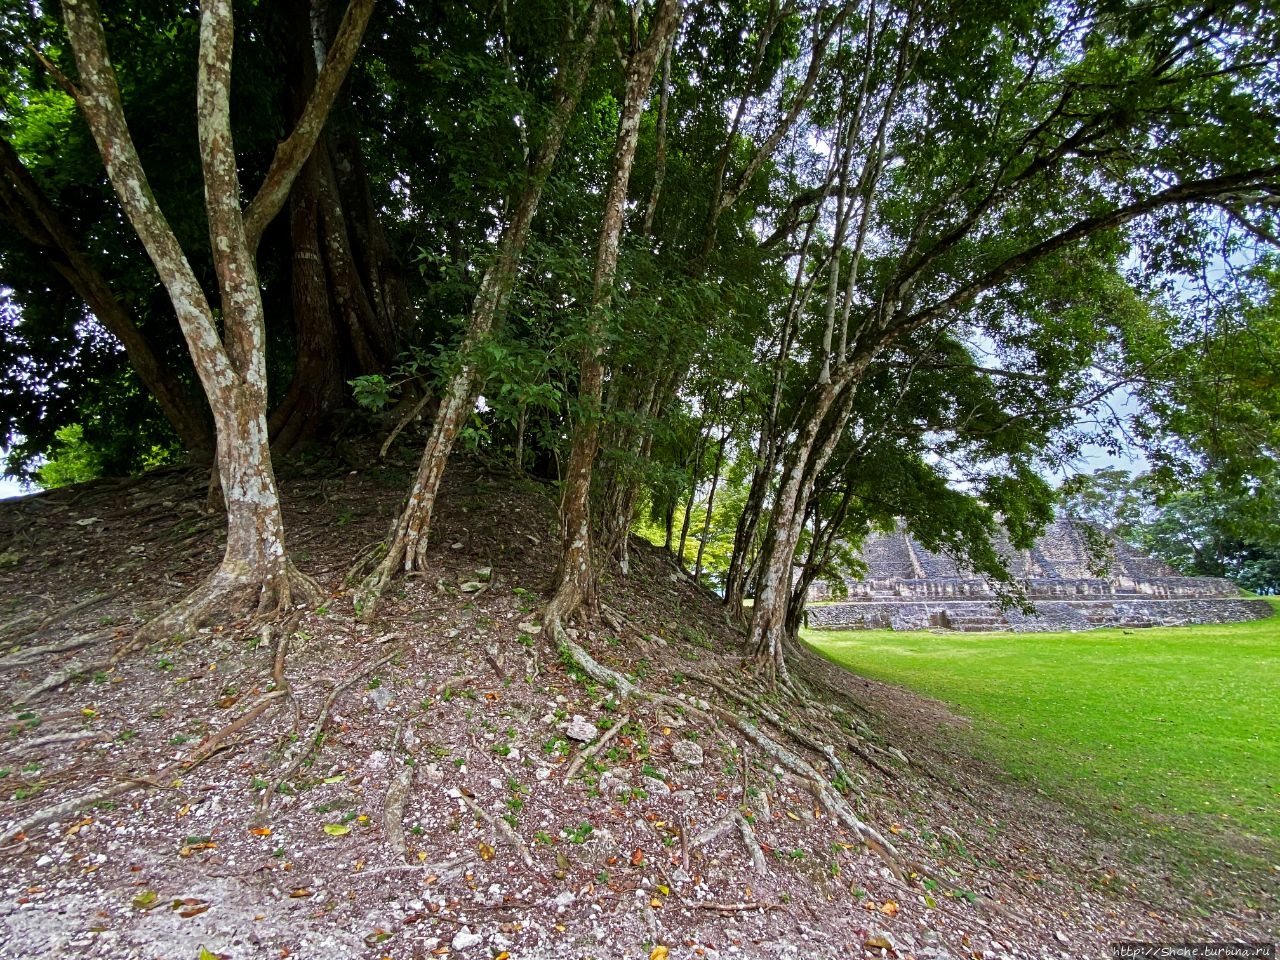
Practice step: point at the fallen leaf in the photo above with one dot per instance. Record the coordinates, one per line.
(659, 953)
(260, 831)
(146, 900)
(637, 857)
(486, 851)
(655, 903)
(300, 892)
(889, 908)
(336, 778)
(880, 942)
(336, 829)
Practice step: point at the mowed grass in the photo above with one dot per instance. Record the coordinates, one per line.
(1176, 729)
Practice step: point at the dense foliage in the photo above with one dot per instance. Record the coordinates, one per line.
(768, 273)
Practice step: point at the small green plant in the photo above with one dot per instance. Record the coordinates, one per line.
(544, 838)
(579, 834)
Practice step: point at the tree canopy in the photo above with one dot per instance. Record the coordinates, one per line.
(770, 272)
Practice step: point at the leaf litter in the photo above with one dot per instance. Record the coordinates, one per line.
(269, 832)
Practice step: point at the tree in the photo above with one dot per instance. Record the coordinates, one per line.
(407, 543)
(575, 575)
(1009, 144)
(256, 574)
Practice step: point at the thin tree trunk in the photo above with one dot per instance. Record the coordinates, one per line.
(711, 504)
(575, 578)
(694, 464)
(406, 547)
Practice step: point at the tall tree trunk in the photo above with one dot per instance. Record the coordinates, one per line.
(817, 432)
(407, 544)
(315, 389)
(255, 575)
(575, 580)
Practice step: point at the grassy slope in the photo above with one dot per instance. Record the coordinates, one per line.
(1177, 727)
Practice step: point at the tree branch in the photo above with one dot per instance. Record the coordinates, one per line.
(293, 152)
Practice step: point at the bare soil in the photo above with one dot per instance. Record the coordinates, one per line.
(413, 787)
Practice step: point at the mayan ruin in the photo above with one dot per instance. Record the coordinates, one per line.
(910, 588)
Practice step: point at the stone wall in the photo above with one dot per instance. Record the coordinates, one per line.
(1078, 614)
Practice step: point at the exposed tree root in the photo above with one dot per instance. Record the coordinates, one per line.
(500, 826)
(393, 804)
(824, 791)
(74, 669)
(43, 620)
(588, 752)
(207, 747)
(24, 657)
(52, 739)
(748, 833)
(229, 591)
(306, 745)
(16, 832)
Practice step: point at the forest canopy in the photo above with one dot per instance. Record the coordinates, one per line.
(761, 275)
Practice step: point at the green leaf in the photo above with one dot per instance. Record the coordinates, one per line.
(336, 829)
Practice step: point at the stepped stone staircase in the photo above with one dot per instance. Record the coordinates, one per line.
(910, 588)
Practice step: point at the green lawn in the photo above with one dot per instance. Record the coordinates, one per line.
(1176, 728)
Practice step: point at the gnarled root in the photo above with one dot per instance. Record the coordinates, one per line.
(824, 791)
(229, 591)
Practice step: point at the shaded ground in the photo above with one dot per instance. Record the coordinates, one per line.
(402, 789)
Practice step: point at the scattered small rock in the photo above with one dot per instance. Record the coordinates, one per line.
(381, 697)
(687, 752)
(581, 730)
(464, 939)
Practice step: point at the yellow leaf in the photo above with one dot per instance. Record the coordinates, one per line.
(146, 900)
(504, 955)
(363, 818)
(792, 816)
(659, 953)
(486, 851)
(655, 903)
(260, 831)
(206, 954)
(336, 829)
(889, 908)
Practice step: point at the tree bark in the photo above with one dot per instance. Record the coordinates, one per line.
(575, 579)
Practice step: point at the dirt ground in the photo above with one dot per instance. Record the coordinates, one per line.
(441, 782)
